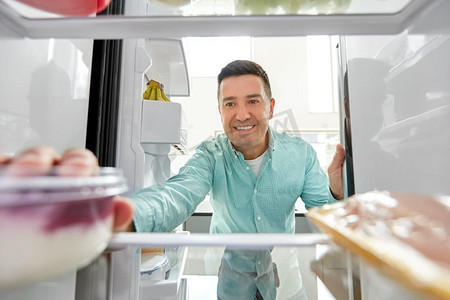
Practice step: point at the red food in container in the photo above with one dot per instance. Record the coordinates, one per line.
(52, 224)
(69, 8)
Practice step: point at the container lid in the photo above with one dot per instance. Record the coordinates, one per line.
(153, 263)
(51, 188)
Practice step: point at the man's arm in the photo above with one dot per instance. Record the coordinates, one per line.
(335, 173)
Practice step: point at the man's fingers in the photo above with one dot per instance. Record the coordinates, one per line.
(4, 158)
(34, 161)
(41, 160)
(123, 213)
(78, 162)
(338, 159)
(335, 172)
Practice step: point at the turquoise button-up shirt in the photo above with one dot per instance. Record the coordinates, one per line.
(242, 203)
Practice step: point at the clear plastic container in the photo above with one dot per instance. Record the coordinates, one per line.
(53, 224)
(401, 238)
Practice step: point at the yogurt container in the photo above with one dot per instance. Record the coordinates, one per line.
(52, 224)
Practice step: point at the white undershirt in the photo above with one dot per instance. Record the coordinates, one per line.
(255, 164)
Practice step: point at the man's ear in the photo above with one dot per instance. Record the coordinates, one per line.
(272, 104)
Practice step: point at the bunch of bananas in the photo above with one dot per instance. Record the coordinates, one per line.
(155, 91)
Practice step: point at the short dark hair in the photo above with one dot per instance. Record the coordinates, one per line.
(244, 67)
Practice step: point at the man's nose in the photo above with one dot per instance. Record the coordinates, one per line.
(242, 113)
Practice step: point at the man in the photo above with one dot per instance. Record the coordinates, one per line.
(254, 176)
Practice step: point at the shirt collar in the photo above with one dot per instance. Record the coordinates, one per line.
(271, 146)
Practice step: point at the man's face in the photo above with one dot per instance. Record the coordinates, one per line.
(245, 111)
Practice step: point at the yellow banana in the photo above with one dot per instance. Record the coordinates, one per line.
(146, 94)
(159, 94)
(155, 91)
(164, 96)
(153, 83)
(152, 94)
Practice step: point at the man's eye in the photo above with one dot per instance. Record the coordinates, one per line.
(254, 101)
(229, 104)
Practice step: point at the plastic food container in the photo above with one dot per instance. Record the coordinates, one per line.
(50, 224)
(402, 240)
(155, 266)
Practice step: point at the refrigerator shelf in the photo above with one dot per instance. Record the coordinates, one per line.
(232, 240)
(214, 23)
(162, 124)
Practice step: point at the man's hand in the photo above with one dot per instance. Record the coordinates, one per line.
(123, 214)
(335, 172)
(74, 162)
(40, 160)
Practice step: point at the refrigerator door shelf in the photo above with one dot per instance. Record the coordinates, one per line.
(162, 125)
(154, 289)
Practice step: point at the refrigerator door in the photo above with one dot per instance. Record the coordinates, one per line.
(44, 101)
(400, 109)
(44, 92)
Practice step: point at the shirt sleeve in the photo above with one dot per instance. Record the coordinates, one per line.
(316, 191)
(331, 198)
(162, 207)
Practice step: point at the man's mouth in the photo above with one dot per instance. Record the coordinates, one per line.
(248, 127)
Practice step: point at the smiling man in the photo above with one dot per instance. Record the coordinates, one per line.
(254, 176)
(245, 113)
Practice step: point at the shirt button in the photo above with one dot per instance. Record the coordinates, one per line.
(247, 168)
(255, 191)
(259, 262)
(258, 218)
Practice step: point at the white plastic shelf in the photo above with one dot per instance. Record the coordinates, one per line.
(162, 124)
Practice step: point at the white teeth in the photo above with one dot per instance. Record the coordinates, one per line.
(243, 127)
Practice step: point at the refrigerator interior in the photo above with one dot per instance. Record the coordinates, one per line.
(393, 65)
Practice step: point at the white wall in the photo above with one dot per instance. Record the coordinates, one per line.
(286, 62)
